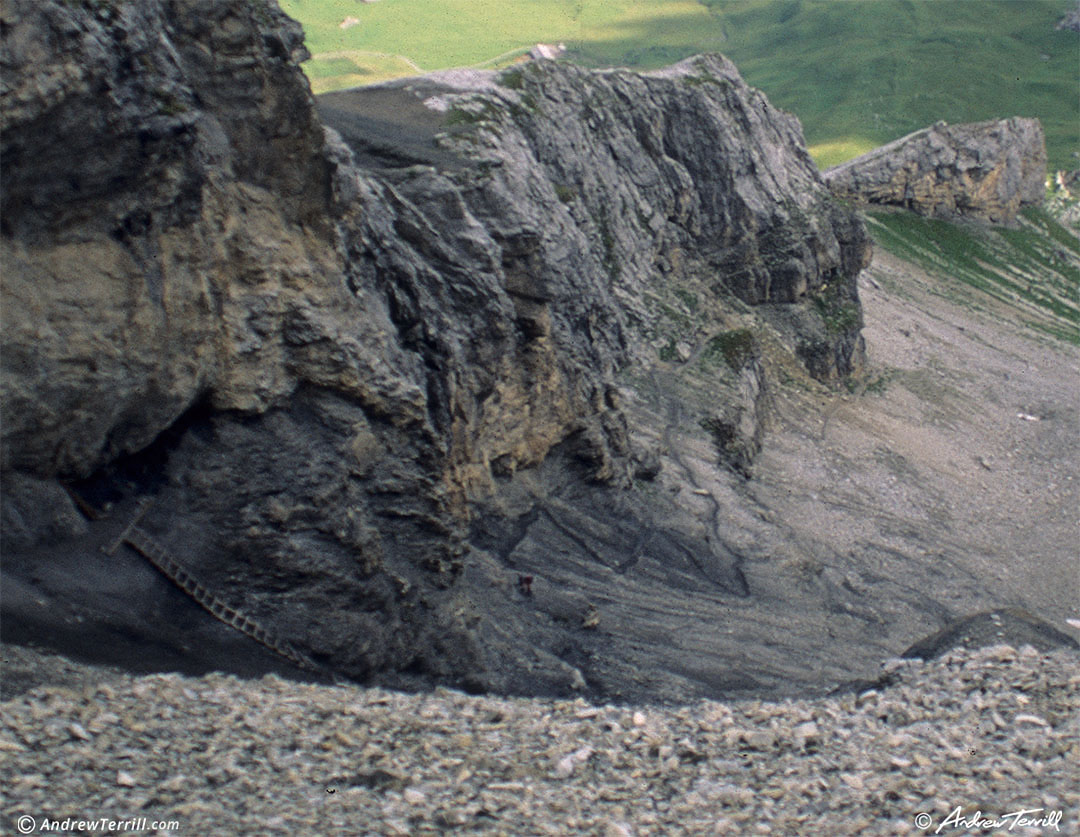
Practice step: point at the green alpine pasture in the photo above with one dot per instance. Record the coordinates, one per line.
(1035, 267)
(354, 42)
(873, 70)
(858, 73)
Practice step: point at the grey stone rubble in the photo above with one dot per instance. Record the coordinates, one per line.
(995, 730)
(1071, 20)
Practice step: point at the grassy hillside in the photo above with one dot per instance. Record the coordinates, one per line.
(397, 37)
(1036, 267)
(867, 72)
(857, 72)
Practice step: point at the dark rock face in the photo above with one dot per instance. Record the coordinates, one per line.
(175, 87)
(982, 170)
(738, 425)
(134, 137)
(357, 378)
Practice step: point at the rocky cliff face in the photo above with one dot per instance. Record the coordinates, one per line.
(982, 170)
(145, 147)
(352, 368)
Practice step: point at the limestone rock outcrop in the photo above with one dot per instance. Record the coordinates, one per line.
(1071, 20)
(982, 170)
(157, 172)
(329, 357)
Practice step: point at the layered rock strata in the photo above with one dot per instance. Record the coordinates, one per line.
(983, 170)
(349, 367)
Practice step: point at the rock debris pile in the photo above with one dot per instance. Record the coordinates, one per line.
(995, 730)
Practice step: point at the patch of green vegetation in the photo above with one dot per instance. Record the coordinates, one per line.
(340, 70)
(1069, 335)
(487, 112)
(528, 104)
(737, 347)
(705, 78)
(880, 70)
(513, 78)
(722, 432)
(324, 68)
(425, 35)
(878, 384)
(839, 314)
(566, 194)
(688, 298)
(668, 353)
(834, 152)
(869, 386)
(735, 452)
(1050, 227)
(607, 239)
(1036, 264)
(677, 317)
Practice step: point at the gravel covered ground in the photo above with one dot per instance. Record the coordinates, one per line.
(995, 730)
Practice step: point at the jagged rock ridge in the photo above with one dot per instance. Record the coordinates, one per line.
(344, 370)
(981, 170)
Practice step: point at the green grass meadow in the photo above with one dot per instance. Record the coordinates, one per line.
(399, 37)
(858, 73)
(1036, 265)
(868, 71)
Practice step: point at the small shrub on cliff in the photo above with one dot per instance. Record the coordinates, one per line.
(471, 115)
(737, 347)
(689, 299)
(668, 353)
(514, 79)
(565, 193)
(838, 315)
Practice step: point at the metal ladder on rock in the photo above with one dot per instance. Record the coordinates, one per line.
(146, 546)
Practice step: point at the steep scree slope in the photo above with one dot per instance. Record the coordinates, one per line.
(353, 377)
